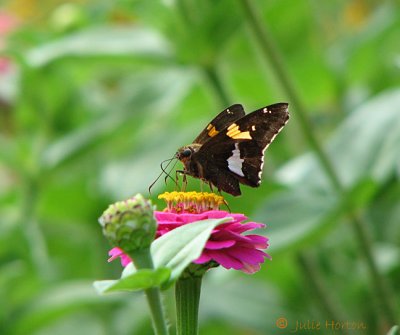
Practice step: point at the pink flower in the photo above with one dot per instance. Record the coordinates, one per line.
(7, 24)
(117, 252)
(227, 245)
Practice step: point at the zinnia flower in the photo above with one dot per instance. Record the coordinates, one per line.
(227, 245)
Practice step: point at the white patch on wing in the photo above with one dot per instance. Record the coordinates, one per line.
(235, 162)
(261, 169)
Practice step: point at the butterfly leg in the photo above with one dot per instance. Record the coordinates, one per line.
(177, 173)
(184, 179)
(227, 206)
(184, 183)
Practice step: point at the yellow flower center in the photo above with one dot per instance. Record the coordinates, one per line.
(192, 202)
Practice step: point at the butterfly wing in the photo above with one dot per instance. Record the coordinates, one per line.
(237, 153)
(220, 122)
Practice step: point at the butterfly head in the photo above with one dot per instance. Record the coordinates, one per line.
(184, 154)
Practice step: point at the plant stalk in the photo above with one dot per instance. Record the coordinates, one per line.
(187, 297)
(32, 231)
(143, 260)
(218, 87)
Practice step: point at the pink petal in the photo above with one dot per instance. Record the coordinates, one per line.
(259, 242)
(117, 252)
(229, 235)
(247, 255)
(225, 260)
(204, 258)
(125, 260)
(165, 216)
(242, 227)
(114, 253)
(250, 269)
(219, 244)
(170, 224)
(221, 214)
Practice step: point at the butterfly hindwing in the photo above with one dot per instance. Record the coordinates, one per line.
(212, 166)
(220, 122)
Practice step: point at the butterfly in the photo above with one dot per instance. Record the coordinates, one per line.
(230, 150)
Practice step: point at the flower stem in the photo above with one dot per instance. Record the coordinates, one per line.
(218, 87)
(273, 56)
(187, 297)
(143, 260)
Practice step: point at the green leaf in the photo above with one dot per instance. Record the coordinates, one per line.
(365, 145)
(181, 246)
(57, 302)
(393, 331)
(139, 280)
(138, 42)
(296, 215)
(301, 214)
(155, 91)
(360, 194)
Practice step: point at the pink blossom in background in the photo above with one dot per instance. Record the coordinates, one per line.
(7, 24)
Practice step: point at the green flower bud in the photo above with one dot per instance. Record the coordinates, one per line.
(130, 224)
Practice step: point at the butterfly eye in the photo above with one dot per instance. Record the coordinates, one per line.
(186, 153)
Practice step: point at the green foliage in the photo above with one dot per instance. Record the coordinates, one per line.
(96, 94)
(137, 281)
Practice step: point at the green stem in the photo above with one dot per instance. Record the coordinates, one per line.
(275, 59)
(143, 260)
(383, 290)
(318, 288)
(31, 229)
(218, 87)
(187, 297)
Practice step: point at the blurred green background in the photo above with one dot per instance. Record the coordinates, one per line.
(95, 94)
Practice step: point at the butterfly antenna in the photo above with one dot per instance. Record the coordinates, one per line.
(168, 174)
(162, 171)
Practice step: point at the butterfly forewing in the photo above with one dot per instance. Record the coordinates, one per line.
(220, 122)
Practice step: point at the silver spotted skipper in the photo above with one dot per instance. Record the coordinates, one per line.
(230, 150)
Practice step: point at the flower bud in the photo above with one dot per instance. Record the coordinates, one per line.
(130, 224)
